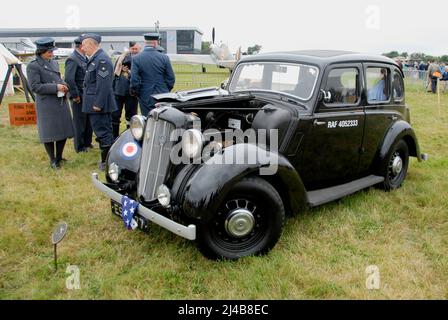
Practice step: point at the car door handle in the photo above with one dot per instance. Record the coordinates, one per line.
(319, 123)
(393, 118)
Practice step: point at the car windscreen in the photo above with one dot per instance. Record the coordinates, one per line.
(297, 80)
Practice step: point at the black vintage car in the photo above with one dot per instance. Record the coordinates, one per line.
(326, 124)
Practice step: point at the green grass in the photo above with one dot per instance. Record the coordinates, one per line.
(323, 252)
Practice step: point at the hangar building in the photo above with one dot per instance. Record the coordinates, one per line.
(174, 40)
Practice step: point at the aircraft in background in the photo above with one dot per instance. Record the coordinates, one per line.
(115, 53)
(29, 49)
(219, 55)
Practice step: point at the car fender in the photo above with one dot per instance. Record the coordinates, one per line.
(212, 180)
(119, 155)
(399, 130)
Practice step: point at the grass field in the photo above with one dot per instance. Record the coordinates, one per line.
(323, 252)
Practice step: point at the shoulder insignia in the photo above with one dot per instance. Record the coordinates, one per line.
(103, 73)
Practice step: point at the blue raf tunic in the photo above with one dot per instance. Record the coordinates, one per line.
(75, 73)
(99, 92)
(98, 84)
(151, 74)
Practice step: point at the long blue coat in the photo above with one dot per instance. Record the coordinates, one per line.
(54, 121)
(98, 84)
(151, 74)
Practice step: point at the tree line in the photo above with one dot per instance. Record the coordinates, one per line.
(416, 56)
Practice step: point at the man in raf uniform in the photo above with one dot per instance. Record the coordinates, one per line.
(121, 88)
(99, 100)
(151, 73)
(75, 71)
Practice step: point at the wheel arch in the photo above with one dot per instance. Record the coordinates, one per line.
(210, 183)
(397, 131)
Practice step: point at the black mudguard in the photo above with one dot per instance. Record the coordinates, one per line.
(118, 155)
(210, 182)
(399, 130)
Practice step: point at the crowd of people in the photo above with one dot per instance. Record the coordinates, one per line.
(430, 70)
(98, 92)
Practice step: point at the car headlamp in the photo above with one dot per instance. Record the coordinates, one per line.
(192, 143)
(137, 126)
(114, 172)
(164, 196)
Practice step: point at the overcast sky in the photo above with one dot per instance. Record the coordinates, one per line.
(372, 26)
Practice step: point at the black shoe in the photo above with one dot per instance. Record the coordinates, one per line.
(61, 162)
(90, 147)
(55, 165)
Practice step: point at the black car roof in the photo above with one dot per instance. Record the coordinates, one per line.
(319, 57)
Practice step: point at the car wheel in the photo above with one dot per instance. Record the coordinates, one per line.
(395, 166)
(249, 222)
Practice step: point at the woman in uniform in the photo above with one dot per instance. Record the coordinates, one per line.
(54, 122)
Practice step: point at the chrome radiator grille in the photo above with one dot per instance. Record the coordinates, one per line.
(155, 159)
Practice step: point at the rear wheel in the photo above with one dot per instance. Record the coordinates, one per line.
(395, 166)
(249, 222)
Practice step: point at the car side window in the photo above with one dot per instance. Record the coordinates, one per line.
(378, 82)
(343, 85)
(398, 86)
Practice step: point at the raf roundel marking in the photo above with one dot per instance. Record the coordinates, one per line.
(129, 150)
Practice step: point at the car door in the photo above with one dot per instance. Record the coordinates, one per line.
(383, 107)
(332, 147)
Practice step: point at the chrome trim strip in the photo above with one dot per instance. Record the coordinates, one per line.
(158, 163)
(188, 232)
(149, 158)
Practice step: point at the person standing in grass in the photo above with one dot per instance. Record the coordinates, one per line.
(99, 98)
(123, 97)
(433, 75)
(75, 72)
(54, 121)
(151, 73)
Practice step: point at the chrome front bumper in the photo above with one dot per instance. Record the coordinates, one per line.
(181, 230)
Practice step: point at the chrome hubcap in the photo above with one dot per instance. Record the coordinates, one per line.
(240, 223)
(397, 165)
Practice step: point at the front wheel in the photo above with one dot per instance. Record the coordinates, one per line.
(395, 166)
(249, 222)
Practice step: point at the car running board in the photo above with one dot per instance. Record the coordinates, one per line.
(321, 196)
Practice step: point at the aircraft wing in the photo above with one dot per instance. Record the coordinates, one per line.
(192, 58)
(201, 59)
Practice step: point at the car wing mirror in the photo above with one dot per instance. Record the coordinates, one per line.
(225, 83)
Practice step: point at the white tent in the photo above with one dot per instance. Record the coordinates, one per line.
(10, 62)
(6, 58)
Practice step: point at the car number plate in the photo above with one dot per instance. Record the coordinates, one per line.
(142, 223)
